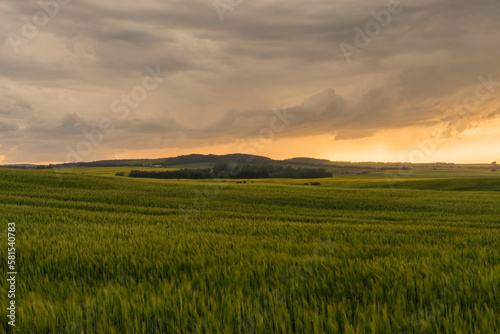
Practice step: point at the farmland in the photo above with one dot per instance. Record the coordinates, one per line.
(98, 253)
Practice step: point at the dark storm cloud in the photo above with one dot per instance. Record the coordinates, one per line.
(226, 77)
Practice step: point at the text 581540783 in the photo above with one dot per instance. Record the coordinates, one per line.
(11, 274)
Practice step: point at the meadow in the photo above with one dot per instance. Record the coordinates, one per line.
(97, 253)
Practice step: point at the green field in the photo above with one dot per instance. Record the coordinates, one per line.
(98, 253)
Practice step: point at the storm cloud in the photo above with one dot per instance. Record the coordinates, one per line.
(68, 66)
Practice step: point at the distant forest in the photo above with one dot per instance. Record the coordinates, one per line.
(235, 171)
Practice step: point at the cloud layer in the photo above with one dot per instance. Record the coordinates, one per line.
(224, 80)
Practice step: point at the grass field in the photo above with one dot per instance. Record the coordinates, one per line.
(98, 253)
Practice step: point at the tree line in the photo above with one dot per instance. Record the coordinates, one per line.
(236, 172)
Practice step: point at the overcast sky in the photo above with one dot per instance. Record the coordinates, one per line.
(338, 79)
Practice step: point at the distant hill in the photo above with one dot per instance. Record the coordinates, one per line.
(208, 158)
(308, 162)
(212, 158)
(24, 166)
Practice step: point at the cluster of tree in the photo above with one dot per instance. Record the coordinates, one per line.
(270, 171)
(236, 171)
(175, 174)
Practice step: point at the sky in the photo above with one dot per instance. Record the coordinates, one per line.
(345, 80)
